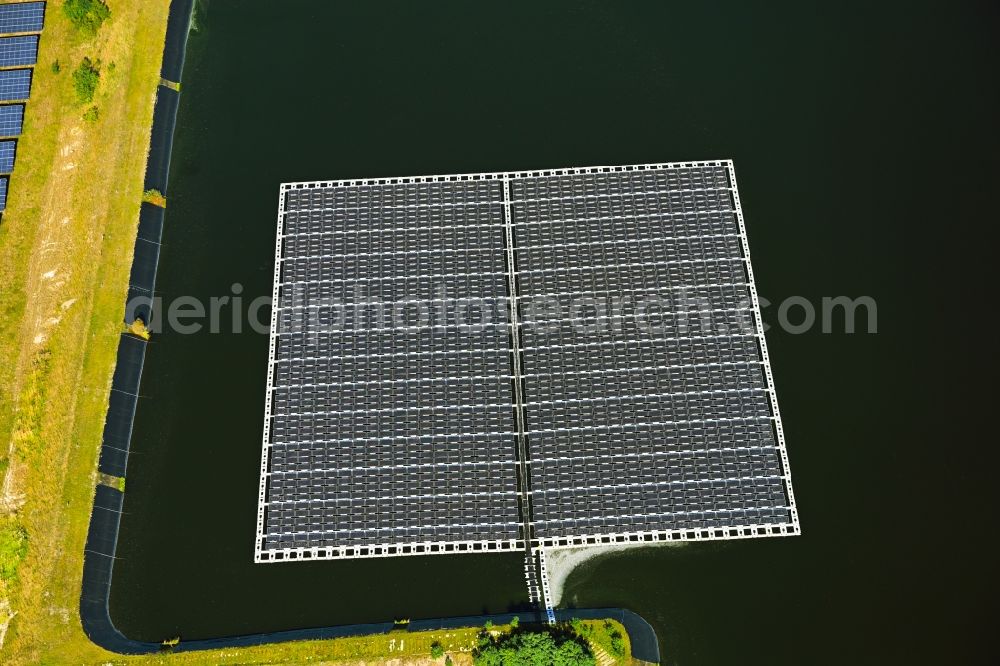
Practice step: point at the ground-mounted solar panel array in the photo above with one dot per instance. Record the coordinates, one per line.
(11, 119)
(499, 361)
(15, 84)
(18, 51)
(18, 55)
(7, 149)
(22, 17)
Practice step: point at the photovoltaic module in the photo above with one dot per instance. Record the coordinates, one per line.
(484, 362)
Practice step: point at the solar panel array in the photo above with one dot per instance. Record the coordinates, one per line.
(631, 378)
(636, 428)
(11, 119)
(390, 434)
(15, 84)
(3, 192)
(22, 17)
(18, 51)
(7, 149)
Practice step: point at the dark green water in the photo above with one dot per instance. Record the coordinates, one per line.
(865, 145)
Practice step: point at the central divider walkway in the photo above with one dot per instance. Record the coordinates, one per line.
(534, 575)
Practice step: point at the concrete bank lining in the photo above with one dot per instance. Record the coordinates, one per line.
(102, 534)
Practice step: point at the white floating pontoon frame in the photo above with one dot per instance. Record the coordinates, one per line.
(531, 543)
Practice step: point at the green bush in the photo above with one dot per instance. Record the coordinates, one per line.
(86, 15)
(56, 67)
(581, 628)
(436, 650)
(85, 80)
(617, 643)
(541, 647)
(92, 114)
(13, 548)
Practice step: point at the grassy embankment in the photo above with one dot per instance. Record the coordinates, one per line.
(65, 250)
(607, 638)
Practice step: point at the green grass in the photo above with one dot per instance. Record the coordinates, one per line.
(608, 635)
(13, 548)
(66, 239)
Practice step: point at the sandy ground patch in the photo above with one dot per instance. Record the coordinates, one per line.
(560, 562)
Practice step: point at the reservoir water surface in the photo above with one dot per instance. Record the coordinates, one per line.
(823, 110)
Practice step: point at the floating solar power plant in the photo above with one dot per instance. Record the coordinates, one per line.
(7, 149)
(621, 390)
(3, 192)
(17, 51)
(388, 435)
(22, 17)
(15, 84)
(11, 119)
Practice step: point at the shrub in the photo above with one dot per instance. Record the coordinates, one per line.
(138, 329)
(436, 650)
(617, 643)
(85, 80)
(534, 647)
(154, 197)
(169, 644)
(448, 661)
(86, 15)
(581, 628)
(91, 114)
(56, 67)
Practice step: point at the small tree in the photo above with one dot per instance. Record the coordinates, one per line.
(436, 650)
(515, 622)
(448, 661)
(535, 647)
(86, 15)
(85, 80)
